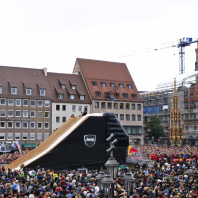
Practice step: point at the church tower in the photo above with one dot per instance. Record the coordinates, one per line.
(176, 126)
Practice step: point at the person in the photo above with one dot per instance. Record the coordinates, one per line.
(72, 116)
(84, 113)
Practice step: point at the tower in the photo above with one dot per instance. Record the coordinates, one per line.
(176, 126)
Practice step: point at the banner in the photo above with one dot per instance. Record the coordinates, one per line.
(132, 150)
(18, 146)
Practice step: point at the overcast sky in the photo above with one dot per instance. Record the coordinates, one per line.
(53, 33)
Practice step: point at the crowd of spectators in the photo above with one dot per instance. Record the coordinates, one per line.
(167, 178)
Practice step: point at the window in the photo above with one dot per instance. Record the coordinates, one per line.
(103, 84)
(121, 116)
(57, 107)
(63, 119)
(80, 108)
(2, 124)
(32, 136)
(10, 124)
(96, 104)
(25, 113)
(17, 124)
(134, 96)
(133, 129)
(18, 102)
(2, 136)
(127, 106)
(10, 136)
(130, 86)
(40, 103)
(32, 125)
(103, 105)
(60, 96)
(195, 127)
(71, 96)
(42, 92)
(0, 90)
(138, 106)
(94, 83)
(33, 103)
(86, 108)
(47, 114)
(18, 113)
(116, 115)
(10, 102)
(139, 117)
(39, 125)
(39, 136)
(3, 101)
(39, 114)
(115, 105)
(46, 135)
(133, 117)
(57, 119)
(121, 105)
(2, 113)
(127, 117)
(133, 106)
(28, 91)
(10, 113)
(46, 125)
(32, 114)
(109, 105)
(98, 93)
(82, 97)
(73, 107)
(112, 84)
(121, 85)
(25, 102)
(63, 107)
(17, 136)
(25, 125)
(73, 86)
(13, 90)
(117, 95)
(25, 136)
(47, 103)
(63, 86)
(125, 95)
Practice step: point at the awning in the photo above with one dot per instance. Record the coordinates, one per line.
(29, 145)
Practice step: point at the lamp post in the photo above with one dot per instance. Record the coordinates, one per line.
(128, 180)
(108, 185)
(99, 177)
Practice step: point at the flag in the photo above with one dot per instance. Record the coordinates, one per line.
(132, 150)
(18, 146)
(3, 146)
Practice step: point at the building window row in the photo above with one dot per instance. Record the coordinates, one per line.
(129, 117)
(104, 84)
(116, 105)
(133, 129)
(25, 102)
(58, 119)
(74, 108)
(24, 136)
(24, 125)
(71, 96)
(24, 113)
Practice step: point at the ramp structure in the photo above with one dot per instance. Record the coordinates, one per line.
(79, 142)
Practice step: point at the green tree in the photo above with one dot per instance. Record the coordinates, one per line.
(154, 128)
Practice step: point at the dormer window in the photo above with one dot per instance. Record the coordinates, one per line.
(98, 93)
(0, 90)
(112, 84)
(130, 86)
(117, 95)
(121, 85)
(72, 96)
(63, 86)
(73, 86)
(82, 97)
(125, 95)
(14, 90)
(60, 96)
(103, 84)
(134, 96)
(42, 92)
(28, 91)
(94, 83)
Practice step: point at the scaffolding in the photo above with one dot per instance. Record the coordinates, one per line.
(159, 103)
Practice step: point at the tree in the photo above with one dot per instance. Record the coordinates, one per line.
(154, 128)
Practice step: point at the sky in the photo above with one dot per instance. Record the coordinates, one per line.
(53, 33)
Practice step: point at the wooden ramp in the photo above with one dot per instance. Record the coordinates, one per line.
(46, 146)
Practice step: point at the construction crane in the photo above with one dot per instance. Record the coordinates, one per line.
(181, 44)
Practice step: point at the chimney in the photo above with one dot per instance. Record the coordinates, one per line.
(45, 71)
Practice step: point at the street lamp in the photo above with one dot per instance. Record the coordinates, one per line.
(128, 180)
(100, 176)
(108, 185)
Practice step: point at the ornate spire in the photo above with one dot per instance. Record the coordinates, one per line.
(175, 91)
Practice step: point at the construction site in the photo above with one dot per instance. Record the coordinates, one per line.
(159, 103)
